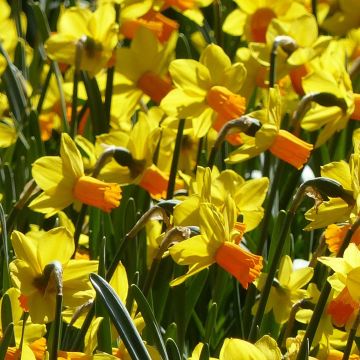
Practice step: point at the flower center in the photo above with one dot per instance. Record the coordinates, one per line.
(246, 267)
(259, 23)
(356, 113)
(154, 86)
(227, 104)
(291, 149)
(100, 194)
(296, 76)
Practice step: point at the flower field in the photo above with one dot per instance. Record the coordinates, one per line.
(180, 179)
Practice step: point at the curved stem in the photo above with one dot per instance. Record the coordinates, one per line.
(175, 160)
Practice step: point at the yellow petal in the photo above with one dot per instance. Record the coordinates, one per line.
(300, 278)
(56, 244)
(353, 283)
(194, 250)
(339, 171)
(71, 157)
(233, 347)
(26, 250)
(191, 76)
(119, 282)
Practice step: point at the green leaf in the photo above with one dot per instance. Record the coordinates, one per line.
(42, 24)
(6, 315)
(5, 245)
(210, 322)
(6, 340)
(150, 320)
(275, 236)
(205, 353)
(120, 318)
(172, 350)
(193, 293)
(95, 104)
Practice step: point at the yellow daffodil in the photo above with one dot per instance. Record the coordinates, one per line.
(214, 187)
(336, 210)
(141, 143)
(206, 90)
(345, 282)
(37, 286)
(264, 349)
(94, 33)
(303, 30)
(329, 75)
(252, 17)
(218, 243)
(64, 181)
(281, 143)
(287, 290)
(144, 74)
(335, 234)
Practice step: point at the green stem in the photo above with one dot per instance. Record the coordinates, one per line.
(175, 160)
(314, 9)
(73, 121)
(276, 259)
(319, 308)
(351, 337)
(43, 91)
(268, 208)
(218, 23)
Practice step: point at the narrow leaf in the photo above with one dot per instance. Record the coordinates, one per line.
(120, 318)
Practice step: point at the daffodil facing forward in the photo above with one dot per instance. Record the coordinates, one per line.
(92, 34)
(279, 142)
(29, 272)
(218, 243)
(63, 180)
(206, 91)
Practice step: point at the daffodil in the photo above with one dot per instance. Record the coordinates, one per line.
(214, 187)
(329, 75)
(280, 143)
(144, 74)
(336, 210)
(287, 290)
(93, 33)
(264, 349)
(345, 282)
(218, 243)
(206, 91)
(141, 142)
(252, 17)
(29, 272)
(303, 30)
(64, 181)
